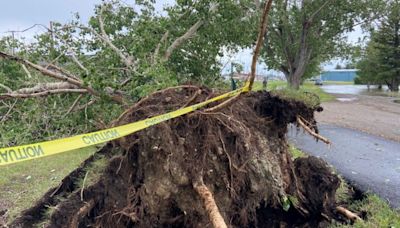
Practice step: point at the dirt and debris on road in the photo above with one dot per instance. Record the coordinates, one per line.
(372, 114)
(239, 153)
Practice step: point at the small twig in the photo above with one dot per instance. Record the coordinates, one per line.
(3, 118)
(196, 94)
(311, 132)
(73, 105)
(26, 71)
(86, 105)
(348, 214)
(83, 185)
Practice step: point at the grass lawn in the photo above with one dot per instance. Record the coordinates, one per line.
(23, 183)
(303, 94)
(338, 83)
(379, 213)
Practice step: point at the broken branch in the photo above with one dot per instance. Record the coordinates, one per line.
(41, 94)
(348, 214)
(127, 59)
(73, 105)
(311, 132)
(59, 76)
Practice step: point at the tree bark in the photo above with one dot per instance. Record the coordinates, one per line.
(394, 85)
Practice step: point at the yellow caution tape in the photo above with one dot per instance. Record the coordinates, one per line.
(38, 150)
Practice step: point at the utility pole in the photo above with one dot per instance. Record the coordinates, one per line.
(13, 42)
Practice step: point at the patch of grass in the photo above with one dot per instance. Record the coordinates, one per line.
(379, 213)
(22, 184)
(342, 193)
(296, 153)
(309, 93)
(338, 83)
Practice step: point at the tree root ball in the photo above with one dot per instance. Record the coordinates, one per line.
(239, 153)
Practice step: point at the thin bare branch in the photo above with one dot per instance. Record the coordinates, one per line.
(85, 105)
(80, 65)
(260, 39)
(157, 51)
(180, 40)
(62, 71)
(318, 10)
(127, 59)
(73, 105)
(4, 118)
(26, 71)
(40, 94)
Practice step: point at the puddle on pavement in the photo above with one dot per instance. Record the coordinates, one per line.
(346, 99)
(359, 90)
(396, 101)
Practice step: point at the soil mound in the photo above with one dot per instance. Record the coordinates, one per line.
(240, 153)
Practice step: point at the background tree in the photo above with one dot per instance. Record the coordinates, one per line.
(381, 60)
(303, 34)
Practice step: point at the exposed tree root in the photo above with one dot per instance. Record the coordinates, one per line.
(348, 214)
(209, 204)
(83, 211)
(311, 132)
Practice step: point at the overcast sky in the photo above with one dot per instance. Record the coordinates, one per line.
(21, 14)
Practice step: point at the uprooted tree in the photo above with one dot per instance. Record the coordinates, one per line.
(226, 165)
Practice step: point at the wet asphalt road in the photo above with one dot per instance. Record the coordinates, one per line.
(368, 162)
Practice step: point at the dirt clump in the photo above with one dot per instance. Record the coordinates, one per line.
(239, 152)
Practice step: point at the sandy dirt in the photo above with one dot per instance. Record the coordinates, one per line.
(372, 114)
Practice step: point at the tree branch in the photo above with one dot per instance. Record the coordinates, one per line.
(41, 87)
(40, 94)
(157, 50)
(80, 65)
(180, 40)
(318, 11)
(73, 105)
(311, 132)
(127, 59)
(59, 76)
(260, 39)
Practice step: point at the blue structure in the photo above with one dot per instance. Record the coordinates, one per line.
(344, 75)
